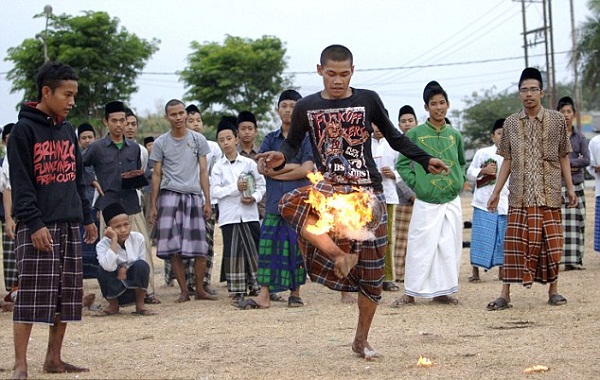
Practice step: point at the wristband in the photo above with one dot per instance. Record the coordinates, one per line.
(278, 168)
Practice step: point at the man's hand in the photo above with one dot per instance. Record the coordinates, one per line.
(152, 214)
(122, 273)
(248, 200)
(437, 166)
(207, 211)
(270, 160)
(110, 233)
(242, 186)
(90, 233)
(493, 202)
(388, 172)
(489, 169)
(42, 240)
(572, 198)
(9, 227)
(98, 188)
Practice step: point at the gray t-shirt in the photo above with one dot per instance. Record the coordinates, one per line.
(179, 158)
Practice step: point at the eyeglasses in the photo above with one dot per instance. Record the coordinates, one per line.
(533, 90)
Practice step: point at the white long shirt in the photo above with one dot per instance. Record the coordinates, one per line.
(384, 155)
(4, 176)
(224, 188)
(594, 147)
(483, 194)
(135, 249)
(211, 158)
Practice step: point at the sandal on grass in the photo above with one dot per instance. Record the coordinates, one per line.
(498, 304)
(557, 300)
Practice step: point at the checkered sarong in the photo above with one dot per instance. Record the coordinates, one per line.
(9, 261)
(573, 222)
(533, 245)
(49, 282)
(487, 239)
(403, 215)
(280, 262)
(366, 277)
(240, 256)
(597, 225)
(181, 228)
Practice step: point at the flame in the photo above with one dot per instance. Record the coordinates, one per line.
(424, 362)
(345, 214)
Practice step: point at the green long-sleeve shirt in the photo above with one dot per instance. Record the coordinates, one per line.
(445, 144)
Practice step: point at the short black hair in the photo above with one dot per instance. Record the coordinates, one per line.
(336, 53)
(432, 89)
(173, 102)
(129, 112)
(566, 101)
(50, 74)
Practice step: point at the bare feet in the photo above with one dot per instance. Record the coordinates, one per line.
(206, 296)
(364, 350)
(402, 301)
(446, 300)
(6, 306)
(19, 373)
(63, 367)
(348, 298)
(183, 297)
(344, 263)
(88, 299)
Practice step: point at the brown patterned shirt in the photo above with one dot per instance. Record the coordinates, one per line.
(535, 148)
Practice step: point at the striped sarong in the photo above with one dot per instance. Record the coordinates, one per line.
(533, 245)
(280, 263)
(389, 251)
(597, 225)
(49, 282)
(137, 278)
(487, 239)
(403, 215)
(181, 229)
(9, 261)
(573, 222)
(240, 256)
(366, 277)
(210, 240)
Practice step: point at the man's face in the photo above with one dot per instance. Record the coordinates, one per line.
(497, 136)
(530, 93)
(227, 141)
(247, 132)
(115, 123)
(336, 78)
(437, 108)
(406, 122)
(568, 113)
(131, 127)
(62, 99)
(86, 138)
(149, 147)
(194, 122)
(176, 116)
(285, 109)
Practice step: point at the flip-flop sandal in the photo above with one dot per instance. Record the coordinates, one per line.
(557, 300)
(498, 304)
(151, 300)
(275, 297)
(249, 304)
(474, 279)
(294, 301)
(389, 286)
(145, 312)
(104, 313)
(401, 301)
(445, 300)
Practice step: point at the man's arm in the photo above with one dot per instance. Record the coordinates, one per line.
(500, 181)
(205, 186)
(156, 178)
(565, 167)
(296, 171)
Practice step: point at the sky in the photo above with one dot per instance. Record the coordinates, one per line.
(398, 45)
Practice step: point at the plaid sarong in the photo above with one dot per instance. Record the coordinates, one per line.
(49, 282)
(210, 240)
(597, 225)
(403, 215)
(366, 277)
(573, 222)
(280, 262)
(9, 261)
(533, 245)
(181, 228)
(487, 239)
(240, 256)
(389, 251)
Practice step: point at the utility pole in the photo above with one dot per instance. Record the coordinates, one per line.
(44, 37)
(577, 90)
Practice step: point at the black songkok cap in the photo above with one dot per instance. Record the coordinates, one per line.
(406, 110)
(498, 124)
(433, 85)
(289, 95)
(114, 106)
(111, 211)
(6, 130)
(565, 101)
(84, 127)
(531, 73)
(227, 122)
(148, 140)
(246, 116)
(192, 109)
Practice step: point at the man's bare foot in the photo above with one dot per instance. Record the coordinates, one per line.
(364, 350)
(344, 263)
(183, 297)
(63, 367)
(19, 373)
(402, 301)
(348, 298)
(6, 306)
(446, 300)
(206, 296)
(88, 299)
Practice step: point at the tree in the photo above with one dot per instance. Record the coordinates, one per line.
(588, 53)
(106, 57)
(240, 74)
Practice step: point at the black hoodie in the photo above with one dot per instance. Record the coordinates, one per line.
(46, 171)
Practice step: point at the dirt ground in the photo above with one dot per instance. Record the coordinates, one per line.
(213, 340)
